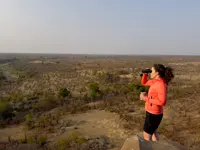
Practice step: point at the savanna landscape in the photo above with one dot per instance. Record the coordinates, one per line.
(91, 102)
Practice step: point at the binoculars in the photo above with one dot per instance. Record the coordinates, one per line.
(146, 71)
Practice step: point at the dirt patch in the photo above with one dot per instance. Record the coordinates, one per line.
(126, 76)
(191, 77)
(14, 132)
(42, 62)
(185, 63)
(95, 123)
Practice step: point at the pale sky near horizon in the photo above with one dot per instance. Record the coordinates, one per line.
(100, 26)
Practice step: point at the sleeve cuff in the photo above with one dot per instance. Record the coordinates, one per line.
(145, 74)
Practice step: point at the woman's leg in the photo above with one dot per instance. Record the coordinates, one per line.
(146, 136)
(155, 136)
(150, 127)
(147, 128)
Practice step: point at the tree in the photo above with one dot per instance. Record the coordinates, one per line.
(6, 110)
(94, 90)
(64, 92)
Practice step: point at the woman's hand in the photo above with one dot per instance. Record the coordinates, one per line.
(143, 95)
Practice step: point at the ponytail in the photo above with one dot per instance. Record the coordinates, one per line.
(168, 74)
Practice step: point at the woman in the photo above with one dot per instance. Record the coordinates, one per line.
(156, 98)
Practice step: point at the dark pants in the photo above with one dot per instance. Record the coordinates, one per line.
(152, 122)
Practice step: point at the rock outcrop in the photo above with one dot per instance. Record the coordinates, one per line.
(138, 143)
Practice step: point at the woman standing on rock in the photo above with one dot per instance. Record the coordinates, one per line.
(156, 98)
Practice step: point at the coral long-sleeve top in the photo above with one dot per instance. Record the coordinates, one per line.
(157, 94)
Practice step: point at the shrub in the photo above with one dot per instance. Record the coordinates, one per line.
(94, 90)
(93, 86)
(67, 143)
(41, 140)
(23, 140)
(6, 110)
(15, 96)
(64, 92)
(47, 102)
(131, 87)
(35, 139)
(138, 87)
(123, 72)
(62, 144)
(29, 121)
(109, 77)
(2, 77)
(2, 124)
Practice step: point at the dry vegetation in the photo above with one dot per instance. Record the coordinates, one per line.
(38, 90)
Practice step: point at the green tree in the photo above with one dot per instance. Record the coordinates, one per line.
(94, 86)
(6, 110)
(64, 92)
(29, 121)
(94, 90)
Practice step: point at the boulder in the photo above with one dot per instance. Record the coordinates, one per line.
(138, 143)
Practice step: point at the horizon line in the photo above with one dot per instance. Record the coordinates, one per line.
(92, 54)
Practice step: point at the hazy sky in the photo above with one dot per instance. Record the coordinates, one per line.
(100, 26)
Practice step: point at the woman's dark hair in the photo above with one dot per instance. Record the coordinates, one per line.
(164, 72)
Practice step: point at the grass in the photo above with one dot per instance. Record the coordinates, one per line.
(73, 83)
